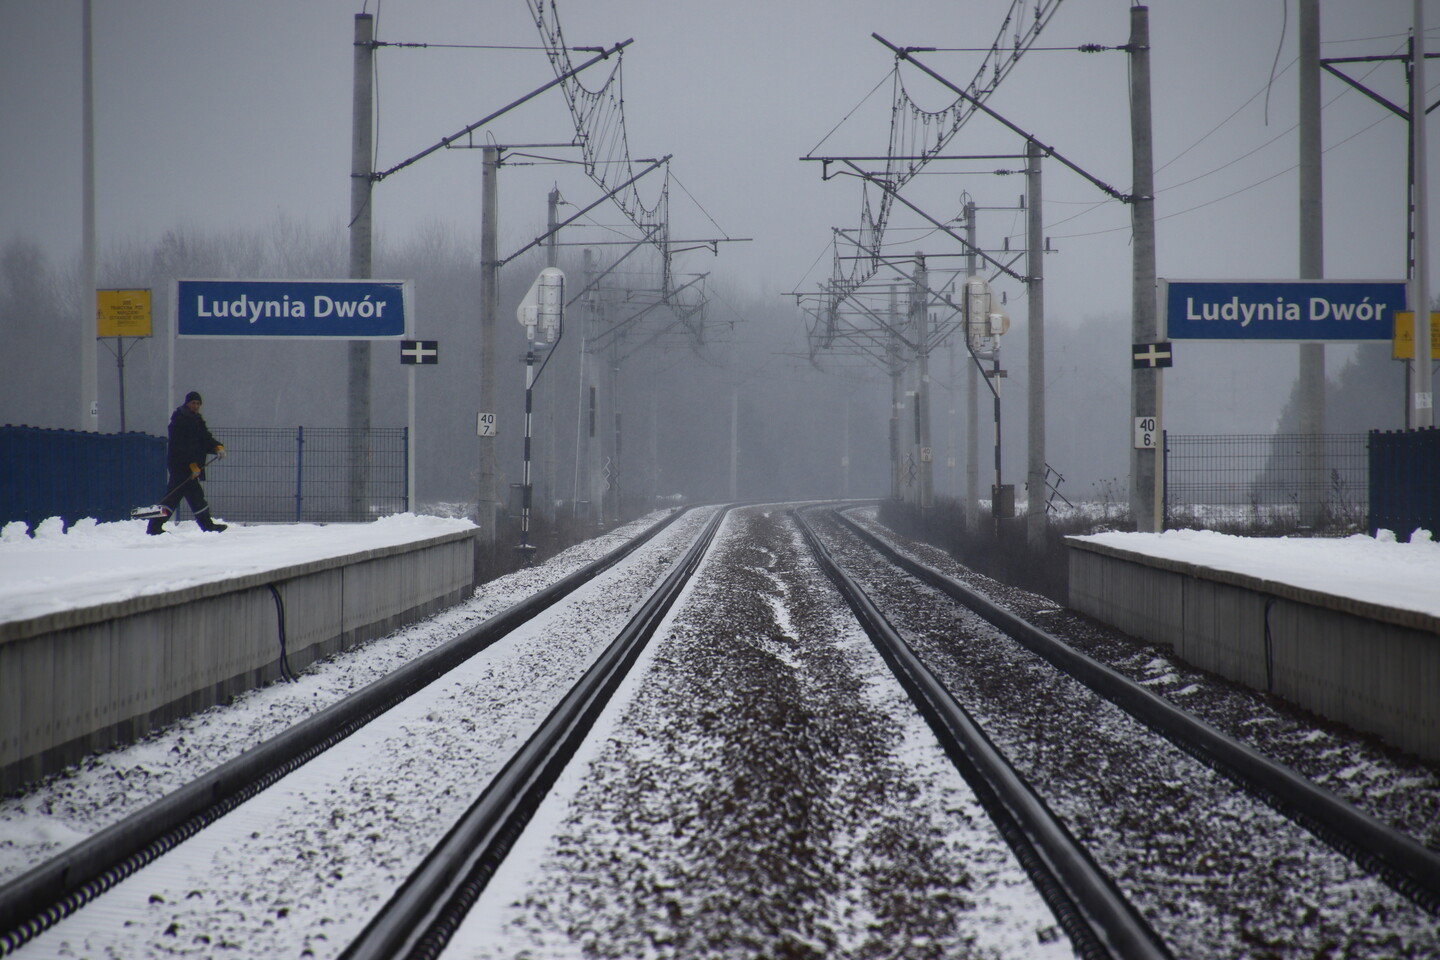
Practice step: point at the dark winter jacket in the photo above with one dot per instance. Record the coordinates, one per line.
(190, 441)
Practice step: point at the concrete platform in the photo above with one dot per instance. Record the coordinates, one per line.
(78, 680)
(1368, 665)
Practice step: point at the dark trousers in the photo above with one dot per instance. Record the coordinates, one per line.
(183, 485)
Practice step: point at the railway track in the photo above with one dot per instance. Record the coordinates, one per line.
(59, 888)
(1295, 878)
(764, 785)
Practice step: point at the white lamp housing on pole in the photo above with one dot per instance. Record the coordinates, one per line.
(984, 322)
(543, 307)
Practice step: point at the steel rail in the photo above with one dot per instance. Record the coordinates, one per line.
(1404, 864)
(422, 916)
(41, 897)
(1099, 920)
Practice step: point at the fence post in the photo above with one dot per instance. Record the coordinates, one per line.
(405, 446)
(1164, 480)
(299, 470)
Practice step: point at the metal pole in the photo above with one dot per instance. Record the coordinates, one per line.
(1035, 516)
(920, 314)
(525, 548)
(654, 448)
(361, 185)
(1312, 253)
(1422, 399)
(972, 390)
(995, 488)
(615, 446)
(1144, 463)
(299, 472)
(489, 310)
(734, 443)
(410, 445)
(897, 365)
(582, 432)
(547, 471)
(120, 372)
(89, 354)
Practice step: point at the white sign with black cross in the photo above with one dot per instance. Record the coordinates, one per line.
(420, 351)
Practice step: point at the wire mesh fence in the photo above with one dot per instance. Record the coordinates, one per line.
(309, 474)
(1275, 483)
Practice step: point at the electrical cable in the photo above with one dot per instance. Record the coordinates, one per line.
(670, 173)
(1284, 25)
(1233, 161)
(888, 75)
(285, 670)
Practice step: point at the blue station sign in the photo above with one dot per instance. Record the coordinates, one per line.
(293, 309)
(1281, 310)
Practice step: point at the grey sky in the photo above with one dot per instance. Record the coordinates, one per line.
(212, 114)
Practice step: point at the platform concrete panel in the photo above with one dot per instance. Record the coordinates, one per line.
(1372, 668)
(83, 680)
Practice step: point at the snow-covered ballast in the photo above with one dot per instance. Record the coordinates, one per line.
(1372, 667)
(81, 680)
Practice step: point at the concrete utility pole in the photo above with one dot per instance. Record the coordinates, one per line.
(616, 436)
(1312, 249)
(897, 398)
(1035, 514)
(1422, 397)
(489, 504)
(549, 392)
(361, 186)
(89, 369)
(920, 323)
(587, 446)
(972, 400)
(1145, 464)
(734, 442)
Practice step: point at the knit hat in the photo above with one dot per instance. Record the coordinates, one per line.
(192, 395)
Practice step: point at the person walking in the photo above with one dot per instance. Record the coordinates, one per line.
(190, 444)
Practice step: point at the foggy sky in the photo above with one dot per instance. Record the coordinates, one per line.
(213, 115)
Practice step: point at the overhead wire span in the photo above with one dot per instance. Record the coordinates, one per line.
(917, 132)
(1229, 163)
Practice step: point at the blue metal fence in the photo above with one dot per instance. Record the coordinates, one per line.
(73, 474)
(282, 474)
(1405, 480)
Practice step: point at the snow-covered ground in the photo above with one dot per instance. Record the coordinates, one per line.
(108, 786)
(329, 851)
(93, 563)
(297, 870)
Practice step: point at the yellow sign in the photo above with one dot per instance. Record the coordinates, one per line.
(122, 313)
(1405, 336)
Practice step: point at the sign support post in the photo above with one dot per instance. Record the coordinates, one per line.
(414, 353)
(118, 314)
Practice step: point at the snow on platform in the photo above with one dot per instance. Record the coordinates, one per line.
(93, 564)
(1377, 570)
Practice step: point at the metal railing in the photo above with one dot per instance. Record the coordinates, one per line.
(304, 474)
(1276, 483)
